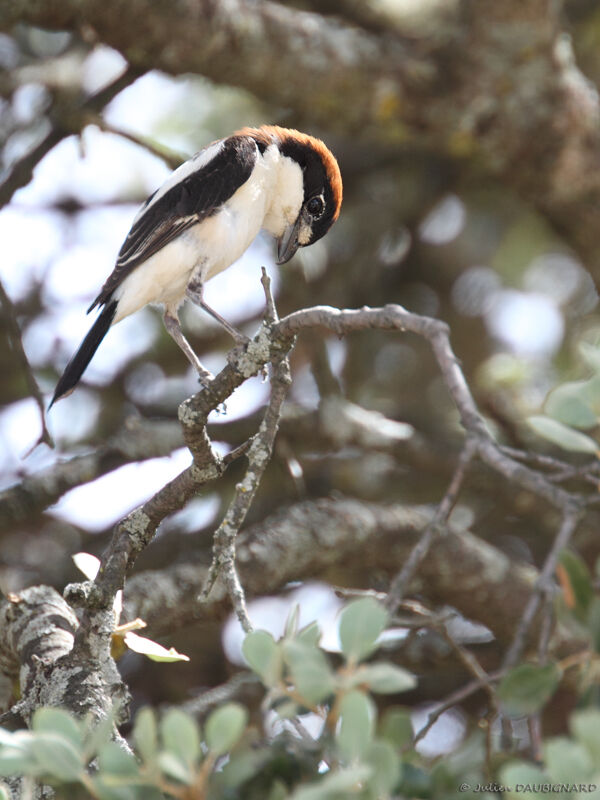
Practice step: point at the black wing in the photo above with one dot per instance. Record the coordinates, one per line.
(198, 195)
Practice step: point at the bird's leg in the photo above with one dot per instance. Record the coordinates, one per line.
(174, 330)
(195, 292)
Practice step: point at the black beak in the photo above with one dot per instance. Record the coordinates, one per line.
(287, 244)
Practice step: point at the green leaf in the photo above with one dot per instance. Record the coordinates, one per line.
(145, 734)
(114, 760)
(386, 767)
(585, 726)
(355, 728)
(527, 688)
(334, 785)
(291, 623)
(110, 787)
(174, 767)
(561, 435)
(385, 678)
(263, 655)
(310, 671)
(56, 756)
(180, 735)
(152, 650)
(361, 623)
(521, 773)
(6, 737)
(396, 726)
(225, 726)
(4, 793)
(242, 766)
(590, 354)
(311, 634)
(570, 404)
(286, 709)
(18, 760)
(567, 761)
(57, 720)
(576, 582)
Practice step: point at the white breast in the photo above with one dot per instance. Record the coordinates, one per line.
(207, 248)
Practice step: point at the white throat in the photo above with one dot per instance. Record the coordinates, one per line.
(287, 191)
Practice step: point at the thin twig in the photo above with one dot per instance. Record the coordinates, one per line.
(170, 157)
(543, 584)
(546, 629)
(259, 455)
(271, 315)
(22, 171)
(394, 317)
(217, 695)
(436, 527)
(454, 699)
(14, 335)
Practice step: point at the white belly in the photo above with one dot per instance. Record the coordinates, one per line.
(201, 251)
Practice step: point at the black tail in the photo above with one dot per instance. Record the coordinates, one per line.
(76, 366)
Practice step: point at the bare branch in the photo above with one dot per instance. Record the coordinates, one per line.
(436, 528)
(137, 441)
(14, 334)
(259, 455)
(543, 584)
(454, 699)
(63, 124)
(308, 538)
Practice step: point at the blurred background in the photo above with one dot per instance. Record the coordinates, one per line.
(443, 230)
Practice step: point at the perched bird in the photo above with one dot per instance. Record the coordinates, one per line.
(204, 217)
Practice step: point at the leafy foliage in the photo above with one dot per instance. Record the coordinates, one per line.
(361, 752)
(358, 750)
(572, 407)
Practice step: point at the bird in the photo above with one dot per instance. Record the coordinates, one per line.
(203, 218)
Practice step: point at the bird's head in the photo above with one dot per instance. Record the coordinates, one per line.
(313, 180)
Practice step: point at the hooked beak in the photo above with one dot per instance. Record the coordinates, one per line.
(287, 244)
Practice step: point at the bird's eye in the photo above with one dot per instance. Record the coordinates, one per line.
(315, 207)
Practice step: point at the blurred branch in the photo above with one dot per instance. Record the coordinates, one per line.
(67, 116)
(543, 586)
(454, 699)
(137, 441)
(170, 157)
(309, 538)
(273, 46)
(435, 529)
(22, 172)
(14, 334)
